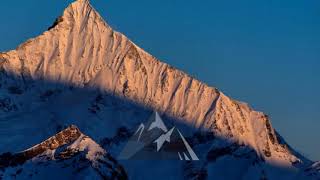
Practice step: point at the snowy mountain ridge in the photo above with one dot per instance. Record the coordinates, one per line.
(81, 50)
(114, 64)
(68, 149)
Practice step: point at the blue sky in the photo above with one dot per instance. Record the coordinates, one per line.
(266, 53)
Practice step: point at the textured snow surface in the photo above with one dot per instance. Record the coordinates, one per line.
(82, 72)
(68, 154)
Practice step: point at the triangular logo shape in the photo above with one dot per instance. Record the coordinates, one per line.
(154, 141)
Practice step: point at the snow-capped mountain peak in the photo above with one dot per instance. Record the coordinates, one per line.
(82, 50)
(83, 72)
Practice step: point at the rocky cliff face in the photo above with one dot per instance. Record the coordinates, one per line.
(69, 151)
(81, 50)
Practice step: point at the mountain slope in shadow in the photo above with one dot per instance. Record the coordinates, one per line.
(111, 121)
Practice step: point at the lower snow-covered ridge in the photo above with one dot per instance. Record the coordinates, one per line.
(69, 153)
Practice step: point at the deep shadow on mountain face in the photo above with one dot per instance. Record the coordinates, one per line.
(33, 110)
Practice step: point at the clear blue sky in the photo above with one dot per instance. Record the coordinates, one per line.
(266, 53)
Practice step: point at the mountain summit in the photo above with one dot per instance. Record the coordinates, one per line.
(83, 72)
